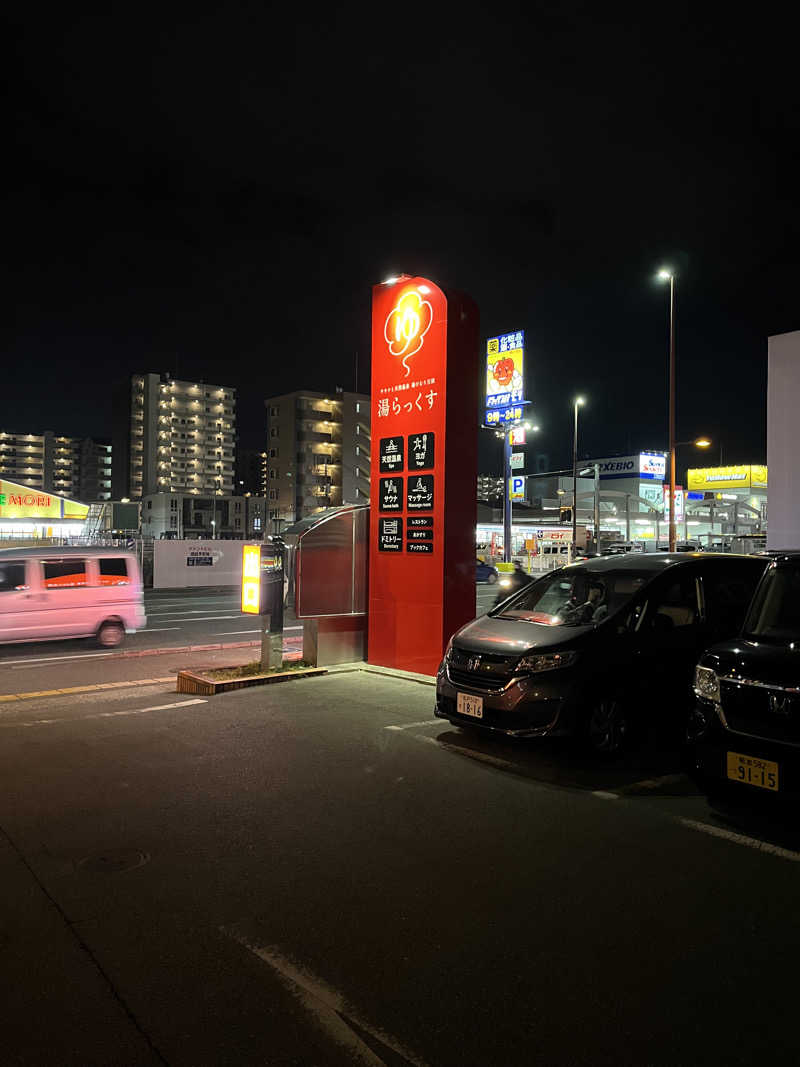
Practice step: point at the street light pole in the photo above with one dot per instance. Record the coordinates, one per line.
(672, 539)
(578, 402)
(668, 275)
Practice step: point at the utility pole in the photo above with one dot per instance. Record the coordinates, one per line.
(597, 507)
(507, 503)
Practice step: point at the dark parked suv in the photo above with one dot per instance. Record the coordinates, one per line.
(595, 648)
(746, 721)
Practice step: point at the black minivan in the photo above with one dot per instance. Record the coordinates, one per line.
(596, 648)
(746, 721)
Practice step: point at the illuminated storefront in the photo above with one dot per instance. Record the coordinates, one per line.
(32, 513)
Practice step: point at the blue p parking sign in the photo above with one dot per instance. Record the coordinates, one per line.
(516, 487)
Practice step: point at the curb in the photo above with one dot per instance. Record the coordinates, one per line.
(184, 648)
(197, 648)
(199, 685)
(386, 672)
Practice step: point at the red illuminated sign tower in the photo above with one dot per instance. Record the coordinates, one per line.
(425, 374)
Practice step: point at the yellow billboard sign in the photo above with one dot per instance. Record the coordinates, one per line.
(742, 477)
(21, 502)
(758, 476)
(251, 579)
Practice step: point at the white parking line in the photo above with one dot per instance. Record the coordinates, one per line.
(469, 753)
(110, 714)
(741, 839)
(330, 1008)
(159, 629)
(410, 725)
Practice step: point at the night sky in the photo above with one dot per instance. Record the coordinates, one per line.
(215, 197)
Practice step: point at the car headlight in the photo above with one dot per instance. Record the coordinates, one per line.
(706, 684)
(547, 661)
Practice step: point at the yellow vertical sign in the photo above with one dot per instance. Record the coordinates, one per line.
(251, 579)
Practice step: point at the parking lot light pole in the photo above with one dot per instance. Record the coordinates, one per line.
(578, 401)
(665, 274)
(698, 442)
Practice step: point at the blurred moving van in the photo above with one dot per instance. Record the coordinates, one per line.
(47, 594)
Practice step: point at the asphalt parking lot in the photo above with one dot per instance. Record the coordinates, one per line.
(321, 872)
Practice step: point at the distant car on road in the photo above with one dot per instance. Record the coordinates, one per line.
(485, 572)
(51, 593)
(595, 648)
(745, 727)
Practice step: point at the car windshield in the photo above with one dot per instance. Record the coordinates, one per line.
(774, 614)
(574, 598)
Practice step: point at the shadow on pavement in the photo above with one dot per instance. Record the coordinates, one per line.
(774, 819)
(650, 771)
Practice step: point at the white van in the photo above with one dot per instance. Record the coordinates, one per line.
(52, 593)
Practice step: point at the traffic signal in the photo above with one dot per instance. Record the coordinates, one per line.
(565, 515)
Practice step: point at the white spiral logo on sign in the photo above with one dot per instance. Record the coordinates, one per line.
(406, 326)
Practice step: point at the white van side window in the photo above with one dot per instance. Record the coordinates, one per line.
(113, 571)
(64, 573)
(12, 576)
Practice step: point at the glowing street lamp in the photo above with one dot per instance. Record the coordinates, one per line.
(667, 274)
(579, 401)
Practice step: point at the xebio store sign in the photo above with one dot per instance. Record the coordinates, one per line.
(424, 467)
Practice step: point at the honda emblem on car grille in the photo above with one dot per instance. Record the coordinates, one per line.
(779, 705)
(474, 663)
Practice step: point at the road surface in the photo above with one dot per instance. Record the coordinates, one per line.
(176, 619)
(321, 873)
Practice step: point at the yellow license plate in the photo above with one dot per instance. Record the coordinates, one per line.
(762, 773)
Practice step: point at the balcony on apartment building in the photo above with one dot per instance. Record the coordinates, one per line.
(331, 437)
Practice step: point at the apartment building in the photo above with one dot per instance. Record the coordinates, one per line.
(251, 472)
(178, 516)
(77, 467)
(318, 453)
(489, 487)
(174, 436)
